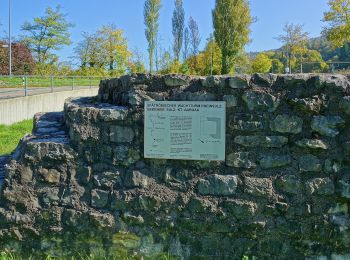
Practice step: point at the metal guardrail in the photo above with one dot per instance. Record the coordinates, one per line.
(25, 85)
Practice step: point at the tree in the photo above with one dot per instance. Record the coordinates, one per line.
(90, 51)
(261, 64)
(151, 19)
(338, 31)
(178, 24)
(294, 41)
(186, 44)
(46, 34)
(115, 49)
(195, 37)
(231, 21)
(22, 59)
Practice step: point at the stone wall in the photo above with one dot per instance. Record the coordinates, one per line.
(80, 181)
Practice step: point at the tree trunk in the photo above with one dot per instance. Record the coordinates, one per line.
(150, 61)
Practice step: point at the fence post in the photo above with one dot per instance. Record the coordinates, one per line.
(90, 82)
(73, 83)
(51, 84)
(25, 86)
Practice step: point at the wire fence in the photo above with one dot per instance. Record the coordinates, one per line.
(27, 85)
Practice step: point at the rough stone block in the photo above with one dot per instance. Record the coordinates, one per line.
(240, 208)
(262, 141)
(99, 198)
(287, 124)
(50, 175)
(218, 185)
(231, 100)
(344, 189)
(107, 179)
(327, 125)
(320, 186)
(240, 160)
(121, 134)
(258, 186)
(113, 114)
(312, 144)
(84, 174)
(260, 101)
(310, 105)
(309, 163)
(135, 179)
(344, 105)
(176, 80)
(239, 82)
(289, 184)
(274, 161)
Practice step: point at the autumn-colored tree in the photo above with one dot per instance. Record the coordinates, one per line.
(338, 19)
(231, 20)
(22, 59)
(261, 64)
(207, 62)
(116, 51)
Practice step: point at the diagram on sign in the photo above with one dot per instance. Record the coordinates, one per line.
(210, 129)
(157, 130)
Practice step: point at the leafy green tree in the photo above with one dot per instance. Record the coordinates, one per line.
(338, 18)
(231, 20)
(294, 41)
(47, 34)
(277, 66)
(90, 52)
(178, 24)
(151, 19)
(261, 64)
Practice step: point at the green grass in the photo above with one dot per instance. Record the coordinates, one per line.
(18, 82)
(10, 135)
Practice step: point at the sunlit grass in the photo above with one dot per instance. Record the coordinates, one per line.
(10, 135)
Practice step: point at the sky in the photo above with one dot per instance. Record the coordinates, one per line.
(90, 15)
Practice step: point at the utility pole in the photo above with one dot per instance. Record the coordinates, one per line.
(10, 43)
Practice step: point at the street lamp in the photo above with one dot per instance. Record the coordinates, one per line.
(10, 43)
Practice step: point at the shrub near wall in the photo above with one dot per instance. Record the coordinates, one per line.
(80, 182)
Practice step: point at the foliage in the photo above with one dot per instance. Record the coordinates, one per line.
(294, 41)
(338, 18)
(186, 44)
(261, 64)
(231, 20)
(178, 24)
(106, 49)
(115, 50)
(46, 34)
(277, 66)
(202, 63)
(10, 135)
(89, 51)
(195, 37)
(151, 17)
(22, 60)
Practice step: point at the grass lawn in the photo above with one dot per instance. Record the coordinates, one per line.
(10, 135)
(33, 81)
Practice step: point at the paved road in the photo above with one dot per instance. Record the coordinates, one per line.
(6, 93)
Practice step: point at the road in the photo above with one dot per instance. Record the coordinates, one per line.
(6, 93)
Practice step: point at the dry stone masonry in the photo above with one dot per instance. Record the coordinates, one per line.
(80, 182)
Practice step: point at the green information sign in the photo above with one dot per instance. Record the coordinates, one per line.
(185, 130)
